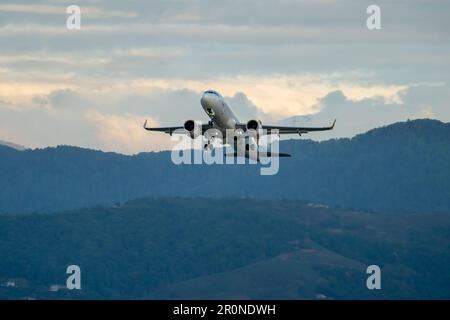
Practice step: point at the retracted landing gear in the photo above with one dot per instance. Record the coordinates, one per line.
(208, 146)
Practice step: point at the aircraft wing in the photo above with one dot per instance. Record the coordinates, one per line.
(298, 130)
(171, 130)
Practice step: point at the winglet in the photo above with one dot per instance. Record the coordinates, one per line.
(145, 124)
(334, 122)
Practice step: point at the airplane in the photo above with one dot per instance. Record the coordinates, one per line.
(223, 120)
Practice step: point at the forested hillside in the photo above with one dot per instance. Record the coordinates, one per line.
(241, 249)
(401, 167)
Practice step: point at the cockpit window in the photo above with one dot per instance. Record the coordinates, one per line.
(212, 92)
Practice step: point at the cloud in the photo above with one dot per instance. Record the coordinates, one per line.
(87, 12)
(271, 60)
(21, 95)
(226, 34)
(231, 22)
(42, 126)
(276, 95)
(125, 133)
(354, 117)
(63, 99)
(112, 120)
(279, 96)
(245, 109)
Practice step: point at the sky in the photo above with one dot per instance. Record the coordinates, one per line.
(283, 62)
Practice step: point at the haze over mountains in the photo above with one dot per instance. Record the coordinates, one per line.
(400, 167)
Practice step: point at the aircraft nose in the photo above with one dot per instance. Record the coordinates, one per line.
(203, 99)
(206, 99)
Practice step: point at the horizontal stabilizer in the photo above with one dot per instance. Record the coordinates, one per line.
(273, 154)
(262, 155)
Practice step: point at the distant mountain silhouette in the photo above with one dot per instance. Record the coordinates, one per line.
(12, 145)
(400, 167)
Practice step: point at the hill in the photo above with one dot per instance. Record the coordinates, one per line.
(230, 248)
(11, 145)
(400, 167)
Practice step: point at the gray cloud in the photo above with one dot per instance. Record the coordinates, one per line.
(354, 117)
(67, 99)
(123, 42)
(41, 127)
(245, 109)
(71, 117)
(233, 37)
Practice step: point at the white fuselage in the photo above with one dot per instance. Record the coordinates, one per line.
(218, 111)
(223, 119)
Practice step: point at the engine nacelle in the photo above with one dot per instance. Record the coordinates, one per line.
(254, 125)
(192, 128)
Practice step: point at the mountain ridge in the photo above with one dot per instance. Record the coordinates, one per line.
(12, 145)
(399, 167)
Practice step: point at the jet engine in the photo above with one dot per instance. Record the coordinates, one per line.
(192, 128)
(253, 125)
(253, 130)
